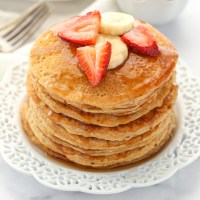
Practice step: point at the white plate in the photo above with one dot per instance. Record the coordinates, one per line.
(19, 153)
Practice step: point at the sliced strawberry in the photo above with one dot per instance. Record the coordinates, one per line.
(62, 26)
(141, 40)
(84, 31)
(94, 61)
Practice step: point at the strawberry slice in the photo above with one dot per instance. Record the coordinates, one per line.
(94, 61)
(84, 31)
(141, 40)
(62, 26)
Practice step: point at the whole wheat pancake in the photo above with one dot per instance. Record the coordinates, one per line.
(53, 63)
(85, 144)
(97, 119)
(140, 141)
(119, 133)
(98, 161)
(63, 158)
(113, 111)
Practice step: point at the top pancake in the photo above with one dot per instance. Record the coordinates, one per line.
(54, 65)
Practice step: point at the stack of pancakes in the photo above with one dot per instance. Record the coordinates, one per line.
(127, 117)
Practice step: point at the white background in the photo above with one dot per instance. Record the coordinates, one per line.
(184, 32)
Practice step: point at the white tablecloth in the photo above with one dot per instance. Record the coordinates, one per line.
(184, 185)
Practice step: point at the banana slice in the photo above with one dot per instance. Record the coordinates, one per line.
(116, 23)
(119, 51)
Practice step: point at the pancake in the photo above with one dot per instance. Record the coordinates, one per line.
(63, 158)
(98, 161)
(97, 119)
(119, 133)
(54, 65)
(116, 112)
(57, 133)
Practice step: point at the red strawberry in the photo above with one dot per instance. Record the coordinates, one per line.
(84, 31)
(62, 26)
(94, 61)
(141, 40)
